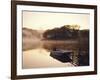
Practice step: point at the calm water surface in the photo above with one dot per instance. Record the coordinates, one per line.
(39, 54)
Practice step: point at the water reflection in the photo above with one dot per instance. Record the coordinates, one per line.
(36, 54)
(40, 58)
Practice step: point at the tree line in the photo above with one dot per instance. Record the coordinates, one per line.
(65, 32)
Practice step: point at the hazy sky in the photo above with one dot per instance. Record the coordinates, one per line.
(50, 20)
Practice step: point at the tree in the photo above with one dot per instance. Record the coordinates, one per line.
(63, 33)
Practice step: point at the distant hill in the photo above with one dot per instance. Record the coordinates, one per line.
(30, 33)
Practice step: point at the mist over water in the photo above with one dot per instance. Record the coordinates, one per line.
(37, 53)
(36, 50)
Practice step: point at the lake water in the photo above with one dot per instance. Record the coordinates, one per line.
(40, 58)
(37, 54)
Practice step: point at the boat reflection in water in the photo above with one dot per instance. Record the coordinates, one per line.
(61, 55)
(69, 56)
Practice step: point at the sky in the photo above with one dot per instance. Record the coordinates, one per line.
(50, 20)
